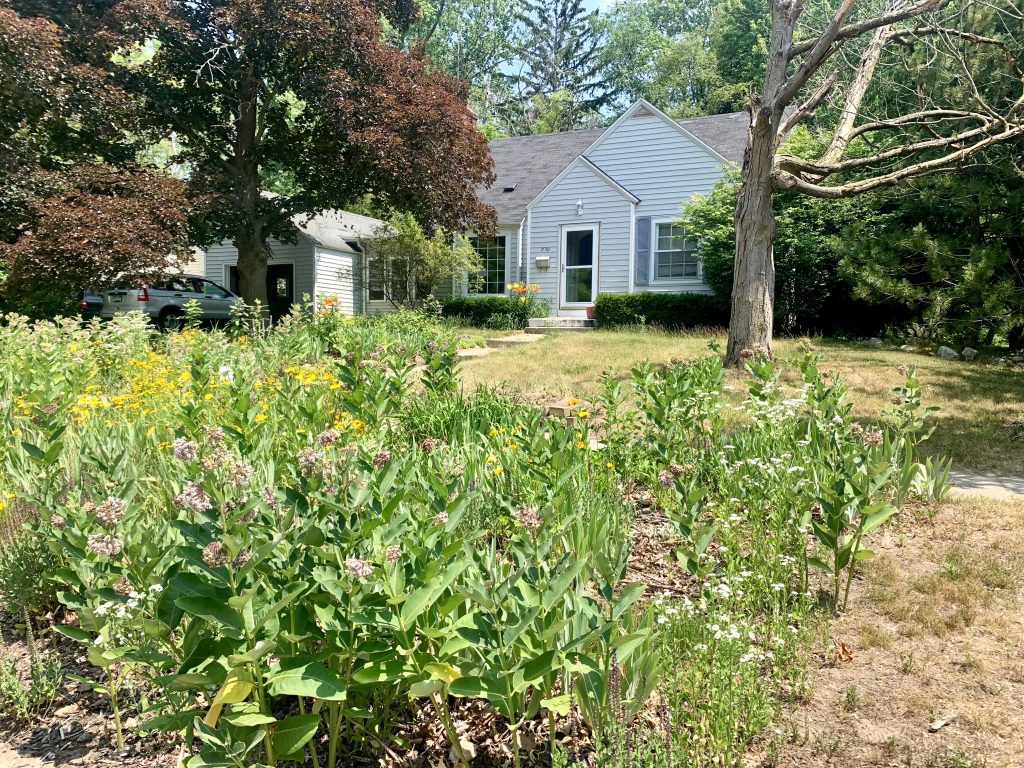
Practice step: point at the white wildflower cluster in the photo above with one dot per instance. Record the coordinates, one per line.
(123, 619)
(666, 610)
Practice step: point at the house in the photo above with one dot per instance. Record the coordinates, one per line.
(325, 261)
(594, 211)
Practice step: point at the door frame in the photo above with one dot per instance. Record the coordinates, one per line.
(288, 262)
(565, 229)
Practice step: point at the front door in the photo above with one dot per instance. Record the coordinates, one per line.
(579, 265)
(280, 288)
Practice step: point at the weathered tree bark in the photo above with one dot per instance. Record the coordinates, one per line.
(753, 288)
(855, 95)
(252, 267)
(250, 239)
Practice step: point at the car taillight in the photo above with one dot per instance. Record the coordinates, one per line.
(83, 304)
(143, 294)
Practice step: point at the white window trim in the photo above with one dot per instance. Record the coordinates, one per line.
(653, 267)
(501, 234)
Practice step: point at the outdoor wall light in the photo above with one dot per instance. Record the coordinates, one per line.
(579, 207)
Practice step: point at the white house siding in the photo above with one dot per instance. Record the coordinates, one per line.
(664, 168)
(338, 275)
(602, 205)
(512, 274)
(299, 254)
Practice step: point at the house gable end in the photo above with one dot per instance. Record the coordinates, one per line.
(595, 170)
(644, 109)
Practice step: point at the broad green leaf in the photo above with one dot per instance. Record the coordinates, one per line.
(75, 633)
(212, 610)
(442, 671)
(248, 719)
(177, 721)
(292, 733)
(557, 589)
(305, 677)
(560, 705)
(628, 595)
(425, 688)
(382, 672)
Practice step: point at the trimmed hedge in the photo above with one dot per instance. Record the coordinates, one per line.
(672, 311)
(478, 310)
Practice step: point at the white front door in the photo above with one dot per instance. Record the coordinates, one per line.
(579, 265)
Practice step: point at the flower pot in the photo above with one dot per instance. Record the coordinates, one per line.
(590, 312)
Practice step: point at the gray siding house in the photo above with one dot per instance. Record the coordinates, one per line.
(594, 211)
(325, 261)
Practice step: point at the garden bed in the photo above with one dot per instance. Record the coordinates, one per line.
(313, 547)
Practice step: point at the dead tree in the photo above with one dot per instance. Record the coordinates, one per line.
(863, 153)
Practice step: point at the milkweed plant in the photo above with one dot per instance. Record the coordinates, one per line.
(283, 544)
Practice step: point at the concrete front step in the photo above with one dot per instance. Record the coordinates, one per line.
(512, 341)
(540, 330)
(561, 322)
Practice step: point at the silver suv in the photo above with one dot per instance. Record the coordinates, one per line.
(164, 302)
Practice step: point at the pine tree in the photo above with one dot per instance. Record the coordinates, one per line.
(561, 62)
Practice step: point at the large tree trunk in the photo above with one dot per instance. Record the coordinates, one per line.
(252, 268)
(251, 237)
(753, 285)
(753, 288)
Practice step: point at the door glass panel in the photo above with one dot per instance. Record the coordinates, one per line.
(579, 266)
(579, 248)
(578, 285)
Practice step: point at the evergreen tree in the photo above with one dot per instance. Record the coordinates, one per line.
(561, 55)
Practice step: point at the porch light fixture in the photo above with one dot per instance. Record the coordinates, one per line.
(579, 207)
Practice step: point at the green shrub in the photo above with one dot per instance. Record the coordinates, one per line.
(666, 310)
(25, 565)
(479, 310)
(810, 293)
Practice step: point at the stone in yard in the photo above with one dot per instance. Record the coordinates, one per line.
(948, 354)
(908, 348)
(874, 343)
(969, 353)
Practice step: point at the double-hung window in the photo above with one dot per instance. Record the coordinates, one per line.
(675, 255)
(491, 278)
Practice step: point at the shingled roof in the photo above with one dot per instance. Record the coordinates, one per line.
(526, 164)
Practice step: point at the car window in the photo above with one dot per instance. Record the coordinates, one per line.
(213, 290)
(176, 284)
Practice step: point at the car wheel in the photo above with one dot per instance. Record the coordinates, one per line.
(171, 319)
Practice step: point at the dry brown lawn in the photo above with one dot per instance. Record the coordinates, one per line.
(981, 404)
(936, 632)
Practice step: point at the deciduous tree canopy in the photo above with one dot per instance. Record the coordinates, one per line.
(310, 91)
(75, 210)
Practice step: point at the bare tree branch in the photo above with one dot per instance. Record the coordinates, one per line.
(859, 28)
(855, 95)
(806, 110)
(786, 180)
(823, 168)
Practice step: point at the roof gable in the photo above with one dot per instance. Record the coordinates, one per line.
(642, 108)
(584, 162)
(527, 165)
